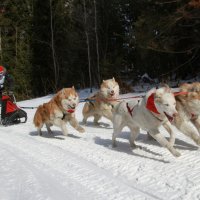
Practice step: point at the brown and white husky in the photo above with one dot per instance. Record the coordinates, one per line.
(188, 106)
(100, 104)
(58, 111)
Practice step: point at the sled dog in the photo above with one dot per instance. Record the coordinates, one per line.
(100, 104)
(157, 108)
(58, 111)
(188, 106)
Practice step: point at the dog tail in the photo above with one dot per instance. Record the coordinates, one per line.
(37, 120)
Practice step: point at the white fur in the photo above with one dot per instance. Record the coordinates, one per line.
(145, 119)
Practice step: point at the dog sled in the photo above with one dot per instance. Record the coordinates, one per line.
(10, 113)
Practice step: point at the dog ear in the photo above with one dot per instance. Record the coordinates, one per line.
(62, 92)
(150, 92)
(167, 89)
(73, 87)
(113, 79)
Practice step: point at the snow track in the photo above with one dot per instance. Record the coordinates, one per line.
(84, 166)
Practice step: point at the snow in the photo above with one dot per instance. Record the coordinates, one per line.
(85, 166)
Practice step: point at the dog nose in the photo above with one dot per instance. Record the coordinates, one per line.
(74, 104)
(112, 91)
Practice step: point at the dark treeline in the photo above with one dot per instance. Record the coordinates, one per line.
(50, 44)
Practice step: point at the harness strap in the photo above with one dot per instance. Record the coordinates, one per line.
(129, 109)
(63, 116)
(180, 93)
(156, 116)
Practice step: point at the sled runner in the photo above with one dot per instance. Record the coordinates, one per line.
(11, 113)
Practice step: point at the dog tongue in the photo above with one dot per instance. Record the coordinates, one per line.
(70, 111)
(169, 117)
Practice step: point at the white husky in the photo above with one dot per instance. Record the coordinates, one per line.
(157, 108)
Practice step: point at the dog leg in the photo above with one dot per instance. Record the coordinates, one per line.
(39, 131)
(169, 128)
(196, 122)
(163, 142)
(117, 128)
(108, 114)
(62, 124)
(187, 128)
(48, 129)
(86, 112)
(133, 135)
(85, 117)
(96, 119)
(74, 123)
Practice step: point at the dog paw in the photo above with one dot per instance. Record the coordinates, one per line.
(81, 129)
(198, 142)
(114, 145)
(96, 123)
(176, 153)
(84, 122)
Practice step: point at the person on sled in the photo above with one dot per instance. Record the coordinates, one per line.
(6, 82)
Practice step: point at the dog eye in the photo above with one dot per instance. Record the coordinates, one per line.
(166, 104)
(69, 99)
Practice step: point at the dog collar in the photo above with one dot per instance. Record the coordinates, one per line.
(150, 105)
(63, 116)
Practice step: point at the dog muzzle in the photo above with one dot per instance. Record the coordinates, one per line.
(170, 118)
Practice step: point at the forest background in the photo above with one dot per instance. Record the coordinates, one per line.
(50, 44)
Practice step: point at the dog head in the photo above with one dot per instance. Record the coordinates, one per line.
(162, 101)
(192, 102)
(110, 88)
(190, 87)
(68, 99)
(191, 99)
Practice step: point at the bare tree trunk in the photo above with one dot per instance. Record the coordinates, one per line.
(1, 54)
(52, 46)
(16, 44)
(97, 41)
(88, 45)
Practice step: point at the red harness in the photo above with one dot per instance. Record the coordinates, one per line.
(129, 109)
(180, 93)
(151, 104)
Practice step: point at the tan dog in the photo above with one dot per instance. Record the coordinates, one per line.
(58, 111)
(100, 104)
(188, 107)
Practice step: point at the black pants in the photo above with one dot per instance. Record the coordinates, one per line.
(3, 106)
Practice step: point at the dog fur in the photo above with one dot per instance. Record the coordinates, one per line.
(188, 107)
(58, 111)
(137, 115)
(100, 104)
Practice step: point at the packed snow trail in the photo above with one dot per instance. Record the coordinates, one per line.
(84, 166)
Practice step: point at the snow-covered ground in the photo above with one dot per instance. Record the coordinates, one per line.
(84, 166)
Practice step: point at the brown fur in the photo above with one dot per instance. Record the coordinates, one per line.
(186, 121)
(100, 104)
(53, 113)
